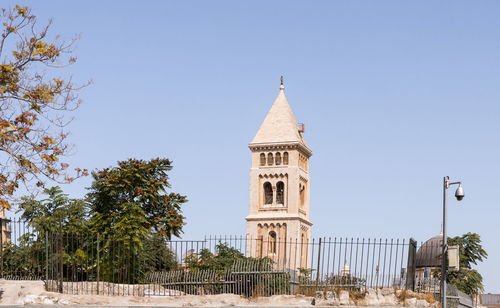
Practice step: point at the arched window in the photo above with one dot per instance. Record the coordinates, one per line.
(285, 158)
(262, 159)
(272, 242)
(280, 192)
(278, 158)
(270, 159)
(268, 193)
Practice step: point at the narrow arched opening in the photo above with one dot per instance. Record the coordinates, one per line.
(278, 159)
(262, 159)
(285, 158)
(272, 242)
(268, 193)
(302, 192)
(280, 193)
(270, 159)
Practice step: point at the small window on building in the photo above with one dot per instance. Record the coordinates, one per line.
(270, 159)
(280, 192)
(278, 158)
(262, 159)
(268, 193)
(302, 192)
(272, 242)
(285, 158)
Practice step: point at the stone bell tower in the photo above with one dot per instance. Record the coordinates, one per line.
(278, 225)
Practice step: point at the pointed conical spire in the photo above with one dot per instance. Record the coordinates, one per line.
(280, 125)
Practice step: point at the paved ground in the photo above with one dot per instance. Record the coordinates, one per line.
(33, 294)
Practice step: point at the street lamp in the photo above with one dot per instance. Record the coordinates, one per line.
(459, 194)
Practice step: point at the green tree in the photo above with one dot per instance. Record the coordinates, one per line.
(55, 213)
(156, 255)
(467, 279)
(255, 284)
(34, 104)
(50, 219)
(132, 201)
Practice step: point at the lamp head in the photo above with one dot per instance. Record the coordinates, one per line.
(459, 194)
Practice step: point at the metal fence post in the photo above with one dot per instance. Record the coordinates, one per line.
(98, 263)
(319, 260)
(46, 256)
(410, 272)
(61, 255)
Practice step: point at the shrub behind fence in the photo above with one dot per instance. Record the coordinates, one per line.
(145, 266)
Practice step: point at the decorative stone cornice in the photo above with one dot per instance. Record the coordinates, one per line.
(280, 217)
(267, 175)
(280, 146)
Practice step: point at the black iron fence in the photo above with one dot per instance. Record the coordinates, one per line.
(21, 257)
(358, 263)
(151, 265)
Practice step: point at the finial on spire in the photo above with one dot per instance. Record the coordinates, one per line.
(441, 233)
(282, 87)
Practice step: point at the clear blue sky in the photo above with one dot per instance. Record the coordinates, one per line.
(395, 95)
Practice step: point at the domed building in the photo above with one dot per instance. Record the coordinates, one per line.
(428, 259)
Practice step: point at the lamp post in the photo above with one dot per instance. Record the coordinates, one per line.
(459, 194)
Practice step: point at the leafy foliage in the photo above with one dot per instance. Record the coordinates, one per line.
(120, 260)
(51, 220)
(305, 275)
(156, 255)
(222, 260)
(121, 228)
(56, 213)
(260, 279)
(131, 200)
(467, 279)
(125, 260)
(33, 103)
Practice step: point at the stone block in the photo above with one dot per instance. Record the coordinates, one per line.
(387, 291)
(422, 303)
(330, 295)
(344, 298)
(47, 301)
(390, 300)
(410, 302)
(63, 302)
(30, 299)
